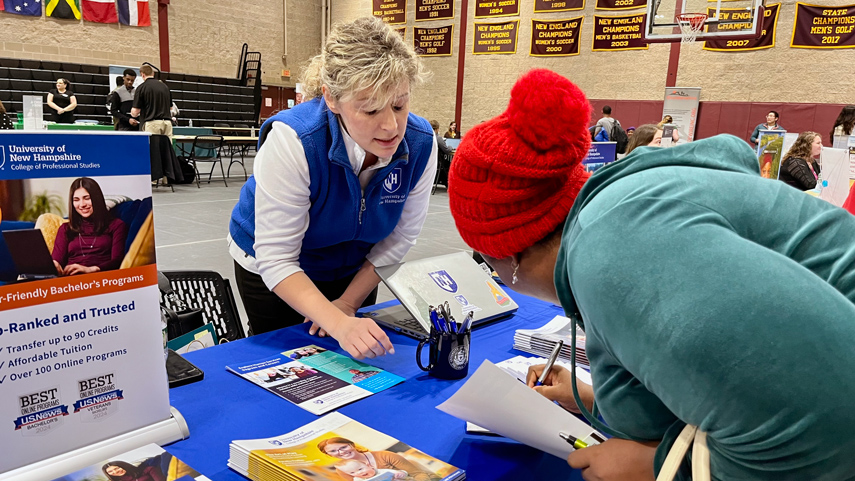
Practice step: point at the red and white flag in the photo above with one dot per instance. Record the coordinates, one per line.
(101, 11)
(134, 12)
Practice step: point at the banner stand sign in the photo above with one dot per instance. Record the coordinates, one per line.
(681, 103)
(82, 368)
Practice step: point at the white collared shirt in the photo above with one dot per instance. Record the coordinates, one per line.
(282, 202)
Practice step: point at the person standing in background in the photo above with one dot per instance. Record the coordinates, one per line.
(452, 132)
(770, 124)
(443, 154)
(62, 100)
(845, 122)
(122, 101)
(152, 103)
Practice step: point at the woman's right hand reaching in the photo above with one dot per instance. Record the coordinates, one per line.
(361, 337)
(557, 387)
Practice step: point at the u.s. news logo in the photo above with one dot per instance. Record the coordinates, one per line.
(2, 157)
(393, 181)
(444, 281)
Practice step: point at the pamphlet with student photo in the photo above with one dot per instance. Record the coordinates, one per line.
(320, 381)
(82, 345)
(337, 448)
(148, 463)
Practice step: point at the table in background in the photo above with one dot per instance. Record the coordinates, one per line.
(224, 407)
(228, 140)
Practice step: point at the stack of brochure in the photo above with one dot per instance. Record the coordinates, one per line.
(541, 341)
(149, 462)
(335, 448)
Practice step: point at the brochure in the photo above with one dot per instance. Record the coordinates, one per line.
(149, 462)
(315, 379)
(336, 448)
(542, 340)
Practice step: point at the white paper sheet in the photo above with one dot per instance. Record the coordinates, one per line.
(496, 401)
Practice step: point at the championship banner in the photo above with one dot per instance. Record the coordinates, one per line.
(393, 12)
(612, 33)
(433, 42)
(434, 10)
(547, 6)
(496, 8)
(81, 341)
(557, 38)
(823, 27)
(620, 4)
(767, 37)
(495, 38)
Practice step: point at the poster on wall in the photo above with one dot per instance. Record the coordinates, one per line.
(681, 103)
(770, 149)
(620, 4)
(434, 10)
(434, 41)
(496, 8)
(612, 33)
(547, 6)
(556, 38)
(767, 35)
(823, 27)
(81, 344)
(393, 12)
(495, 38)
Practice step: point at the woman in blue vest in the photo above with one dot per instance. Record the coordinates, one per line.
(341, 185)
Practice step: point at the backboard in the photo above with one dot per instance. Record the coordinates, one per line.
(727, 20)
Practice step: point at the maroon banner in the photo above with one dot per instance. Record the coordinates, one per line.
(620, 4)
(496, 8)
(823, 27)
(612, 33)
(546, 6)
(434, 9)
(393, 12)
(767, 36)
(495, 38)
(402, 32)
(556, 38)
(433, 42)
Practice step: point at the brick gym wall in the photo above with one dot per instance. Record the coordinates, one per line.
(205, 38)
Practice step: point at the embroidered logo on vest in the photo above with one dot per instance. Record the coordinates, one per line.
(393, 181)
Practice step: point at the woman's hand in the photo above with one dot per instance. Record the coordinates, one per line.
(615, 460)
(343, 306)
(361, 337)
(557, 387)
(58, 268)
(74, 269)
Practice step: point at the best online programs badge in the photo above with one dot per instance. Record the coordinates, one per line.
(41, 412)
(98, 398)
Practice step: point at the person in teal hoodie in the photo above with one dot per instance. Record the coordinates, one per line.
(710, 297)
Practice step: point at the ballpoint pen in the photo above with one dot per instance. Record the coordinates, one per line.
(555, 351)
(576, 443)
(467, 323)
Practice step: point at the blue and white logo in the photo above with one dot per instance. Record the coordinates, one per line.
(444, 281)
(2, 156)
(275, 442)
(462, 300)
(393, 181)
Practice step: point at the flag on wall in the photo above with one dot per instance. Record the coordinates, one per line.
(69, 9)
(32, 8)
(101, 11)
(134, 12)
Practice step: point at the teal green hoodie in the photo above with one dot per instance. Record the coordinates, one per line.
(714, 297)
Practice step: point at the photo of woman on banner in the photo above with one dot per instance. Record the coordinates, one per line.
(345, 449)
(123, 471)
(92, 240)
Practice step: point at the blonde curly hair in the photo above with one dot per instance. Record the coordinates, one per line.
(363, 55)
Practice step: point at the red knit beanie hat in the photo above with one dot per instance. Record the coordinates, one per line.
(514, 178)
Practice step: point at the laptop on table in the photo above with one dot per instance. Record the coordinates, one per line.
(453, 278)
(30, 254)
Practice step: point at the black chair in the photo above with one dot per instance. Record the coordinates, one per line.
(5, 84)
(91, 68)
(10, 62)
(85, 78)
(5, 95)
(207, 148)
(85, 110)
(46, 75)
(442, 167)
(70, 67)
(20, 73)
(31, 64)
(22, 85)
(48, 65)
(84, 88)
(210, 292)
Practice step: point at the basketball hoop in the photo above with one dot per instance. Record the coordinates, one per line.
(690, 25)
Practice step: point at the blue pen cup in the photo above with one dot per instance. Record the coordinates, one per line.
(448, 355)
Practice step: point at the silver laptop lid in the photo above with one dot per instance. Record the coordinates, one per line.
(455, 278)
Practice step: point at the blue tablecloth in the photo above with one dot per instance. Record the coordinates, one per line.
(224, 407)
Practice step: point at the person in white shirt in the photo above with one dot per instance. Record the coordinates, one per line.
(341, 185)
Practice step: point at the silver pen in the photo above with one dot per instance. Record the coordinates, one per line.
(552, 358)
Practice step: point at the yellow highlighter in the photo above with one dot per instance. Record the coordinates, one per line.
(578, 444)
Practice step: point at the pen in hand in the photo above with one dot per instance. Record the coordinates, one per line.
(576, 443)
(552, 358)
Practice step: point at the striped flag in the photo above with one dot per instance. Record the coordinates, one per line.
(69, 9)
(101, 11)
(32, 8)
(134, 12)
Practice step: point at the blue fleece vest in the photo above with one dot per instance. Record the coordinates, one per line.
(344, 222)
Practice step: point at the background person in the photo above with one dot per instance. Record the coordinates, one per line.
(844, 124)
(647, 134)
(310, 225)
(452, 132)
(345, 449)
(152, 103)
(121, 103)
(799, 167)
(63, 102)
(637, 253)
(443, 154)
(770, 124)
(92, 240)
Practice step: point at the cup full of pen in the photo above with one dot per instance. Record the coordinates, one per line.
(449, 344)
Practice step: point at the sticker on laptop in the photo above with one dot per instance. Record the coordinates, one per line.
(444, 281)
(465, 305)
(499, 296)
